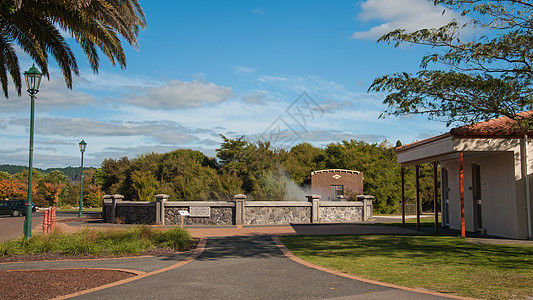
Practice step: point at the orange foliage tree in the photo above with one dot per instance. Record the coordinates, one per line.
(13, 189)
(51, 191)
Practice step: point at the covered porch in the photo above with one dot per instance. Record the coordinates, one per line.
(484, 186)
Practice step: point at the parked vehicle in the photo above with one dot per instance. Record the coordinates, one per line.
(15, 208)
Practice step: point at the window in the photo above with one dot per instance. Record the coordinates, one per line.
(337, 192)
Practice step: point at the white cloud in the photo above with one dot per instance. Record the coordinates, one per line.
(113, 81)
(243, 70)
(258, 97)
(305, 83)
(53, 95)
(181, 94)
(164, 132)
(410, 15)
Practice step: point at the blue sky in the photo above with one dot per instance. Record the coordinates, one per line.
(283, 71)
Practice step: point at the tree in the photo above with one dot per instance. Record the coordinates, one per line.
(12, 189)
(36, 26)
(483, 78)
(55, 176)
(115, 177)
(301, 160)
(50, 192)
(145, 184)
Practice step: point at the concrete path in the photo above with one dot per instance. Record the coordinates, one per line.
(248, 268)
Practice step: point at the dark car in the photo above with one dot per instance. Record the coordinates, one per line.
(15, 208)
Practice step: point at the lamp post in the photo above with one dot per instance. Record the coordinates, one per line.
(82, 144)
(33, 80)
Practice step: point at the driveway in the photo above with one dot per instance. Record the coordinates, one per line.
(237, 263)
(246, 267)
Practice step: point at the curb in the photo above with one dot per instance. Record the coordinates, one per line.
(292, 257)
(196, 253)
(134, 272)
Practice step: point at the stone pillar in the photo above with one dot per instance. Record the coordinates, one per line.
(367, 205)
(105, 199)
(240, 200)
(160, 200)
(114, 199)
(315, 212)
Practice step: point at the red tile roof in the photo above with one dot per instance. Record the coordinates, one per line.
(499, 127)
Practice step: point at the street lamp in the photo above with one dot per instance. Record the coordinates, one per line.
(82, 144)
(33, 80)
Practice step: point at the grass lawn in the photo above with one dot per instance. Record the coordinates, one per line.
(425, 221)
(92, 209)
(438, 263)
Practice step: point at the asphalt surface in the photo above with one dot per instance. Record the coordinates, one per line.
(13, 227)
(231, 267)
(248, 268)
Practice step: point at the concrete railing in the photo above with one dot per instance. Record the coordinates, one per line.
(236, 212)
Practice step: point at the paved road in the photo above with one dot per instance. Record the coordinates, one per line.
(13, 227)
(248, 268)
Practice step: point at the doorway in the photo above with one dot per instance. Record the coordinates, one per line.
(445, 197)
(476, 193)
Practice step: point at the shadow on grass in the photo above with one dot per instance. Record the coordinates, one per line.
(421, 249)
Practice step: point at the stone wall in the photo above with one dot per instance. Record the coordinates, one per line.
(340, 214)
(136, 214)
(238, 212)
(220, 213)
(278, 212)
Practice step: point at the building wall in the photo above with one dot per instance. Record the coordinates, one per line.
(503, 172)
(321, 182)
(498, 194)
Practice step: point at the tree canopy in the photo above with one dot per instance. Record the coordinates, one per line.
(480, 78)
(36, 26)
(262, 173)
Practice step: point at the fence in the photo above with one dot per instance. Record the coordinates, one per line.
(237, 212)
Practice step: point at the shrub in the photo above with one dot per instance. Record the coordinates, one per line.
(42, 244)
(82, 243)
(176, 238)
(12, 247)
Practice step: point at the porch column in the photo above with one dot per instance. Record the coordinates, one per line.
(435, 188)
(403, 196)
(462, 192)
(417, 168)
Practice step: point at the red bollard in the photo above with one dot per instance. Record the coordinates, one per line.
(45, 222)
(53, 217)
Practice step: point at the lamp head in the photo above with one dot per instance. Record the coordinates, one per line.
(33, 79)
(82, 144)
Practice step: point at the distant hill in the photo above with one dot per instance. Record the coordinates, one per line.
(73, 173)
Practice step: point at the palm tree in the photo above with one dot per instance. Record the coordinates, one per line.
(36, 26)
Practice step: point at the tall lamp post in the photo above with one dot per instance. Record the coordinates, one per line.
(82, 144)
(33, 80)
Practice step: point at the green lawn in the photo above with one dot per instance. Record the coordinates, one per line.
(91, 209)
(438, 263)
(425, 221)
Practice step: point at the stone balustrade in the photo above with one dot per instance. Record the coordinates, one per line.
(236, 212)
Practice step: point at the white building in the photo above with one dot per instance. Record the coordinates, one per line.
(485, 176)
